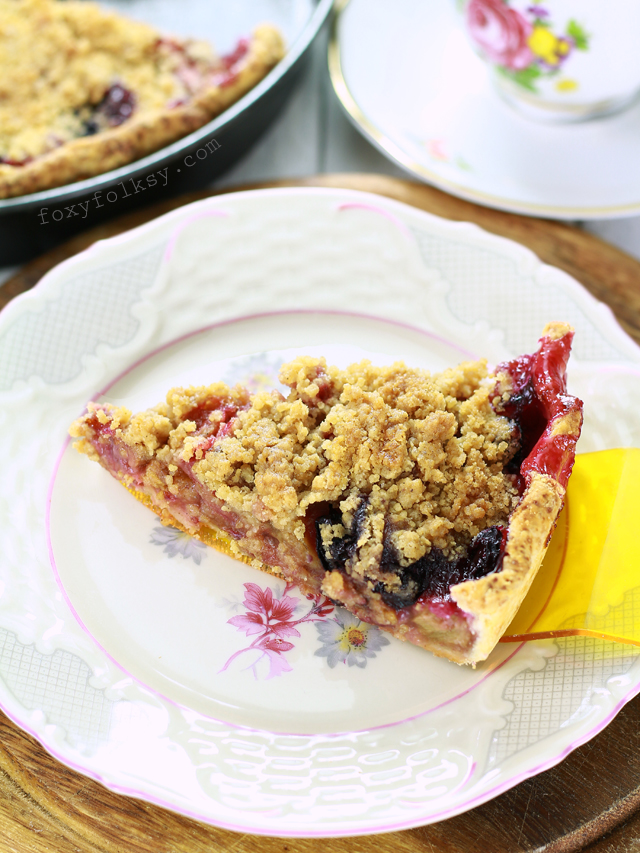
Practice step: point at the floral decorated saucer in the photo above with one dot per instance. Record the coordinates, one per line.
(430, 105)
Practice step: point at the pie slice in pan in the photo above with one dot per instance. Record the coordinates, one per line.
(423, 503)
(84, 90)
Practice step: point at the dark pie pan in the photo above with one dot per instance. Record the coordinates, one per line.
(35, 223)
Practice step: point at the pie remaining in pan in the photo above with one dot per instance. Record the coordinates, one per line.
(84, 90)
(423, 503)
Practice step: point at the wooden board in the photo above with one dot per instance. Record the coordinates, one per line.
(592, 796)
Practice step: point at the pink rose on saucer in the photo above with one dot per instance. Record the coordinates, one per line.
(501, 32)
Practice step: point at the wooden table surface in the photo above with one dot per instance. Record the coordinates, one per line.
(592, 797)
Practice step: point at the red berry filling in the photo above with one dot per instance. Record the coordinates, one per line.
(539, 399)
(428, 579)
(230, 59)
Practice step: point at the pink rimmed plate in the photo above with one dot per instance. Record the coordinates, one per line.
(127, 649)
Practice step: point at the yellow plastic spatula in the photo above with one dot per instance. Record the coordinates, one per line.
(589, 582)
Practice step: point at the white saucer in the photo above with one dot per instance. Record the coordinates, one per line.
(411, 83)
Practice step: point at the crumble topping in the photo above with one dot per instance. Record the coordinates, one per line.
(419, 456)
(60, 59)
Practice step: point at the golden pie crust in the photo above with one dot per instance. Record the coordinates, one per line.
(91, 48)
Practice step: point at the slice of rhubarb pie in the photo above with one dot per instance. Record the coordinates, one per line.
(421, 502)
(84, 90)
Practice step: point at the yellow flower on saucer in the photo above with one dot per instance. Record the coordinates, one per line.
(566, 85)
(548, 47)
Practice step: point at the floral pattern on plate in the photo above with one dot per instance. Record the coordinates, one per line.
(345, 639)
(272, 619)
(176, 543)
(258, 372)
(523, 45)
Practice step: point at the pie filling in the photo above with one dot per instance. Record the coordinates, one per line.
(382, 488)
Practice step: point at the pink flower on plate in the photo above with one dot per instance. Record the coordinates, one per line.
(501, 32)
(272, 619)
(266, 614)
(274, 650)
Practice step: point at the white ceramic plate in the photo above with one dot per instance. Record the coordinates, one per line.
(126, 649)
(412, 84)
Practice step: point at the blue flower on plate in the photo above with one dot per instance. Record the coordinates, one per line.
(345, 639)
(174, 542)
(257, 372)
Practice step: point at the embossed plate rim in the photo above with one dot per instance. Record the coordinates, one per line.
(395, 228)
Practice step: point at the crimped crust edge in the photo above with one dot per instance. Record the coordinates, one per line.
(493, 600)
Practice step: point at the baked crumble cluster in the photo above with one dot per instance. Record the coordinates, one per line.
(71, 70)
(413, 460)
(424, 452)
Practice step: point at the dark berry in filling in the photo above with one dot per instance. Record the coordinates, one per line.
(526, 410)
(115, 108)
(431, 576)
(334, 555)
(90, 127)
